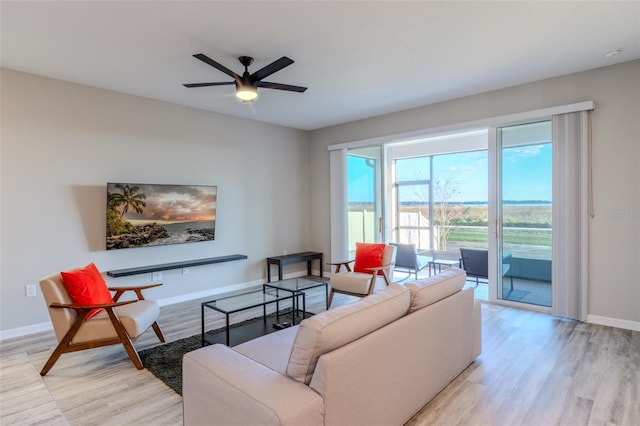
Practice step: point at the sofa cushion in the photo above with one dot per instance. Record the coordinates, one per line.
(336, 327)
(272, 349)
(426, 291)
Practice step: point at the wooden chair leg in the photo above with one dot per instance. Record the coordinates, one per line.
(124, 339)
(330, 298)
(59, 350)
(372, 283)
(386, 277)
(156, 328)
(64, 343)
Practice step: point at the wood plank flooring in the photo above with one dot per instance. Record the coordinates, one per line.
(534, 370)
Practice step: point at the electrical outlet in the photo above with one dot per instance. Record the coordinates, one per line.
(30, 290)
(285, 252)
(156, 276)
(185, 270)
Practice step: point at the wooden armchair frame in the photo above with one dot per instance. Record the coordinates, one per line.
(386, 270)
(65, 345)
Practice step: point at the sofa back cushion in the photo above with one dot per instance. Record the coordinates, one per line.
(336, 327)
(426, 291)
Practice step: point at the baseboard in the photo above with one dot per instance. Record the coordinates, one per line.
(46, 326)
(24, 331)
(614, 322)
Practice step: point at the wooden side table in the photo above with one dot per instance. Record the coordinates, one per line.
(280, 261)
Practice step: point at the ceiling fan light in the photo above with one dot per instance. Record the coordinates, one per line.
(246, 93)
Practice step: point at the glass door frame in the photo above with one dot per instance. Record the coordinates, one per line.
(495, 216)
(378, 191)
(338, 178)
(495, 188)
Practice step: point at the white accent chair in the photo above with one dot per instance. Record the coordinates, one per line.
(361, 284)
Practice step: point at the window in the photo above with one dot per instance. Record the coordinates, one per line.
(442, 201)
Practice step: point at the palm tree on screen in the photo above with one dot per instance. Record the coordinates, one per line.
(129, 198)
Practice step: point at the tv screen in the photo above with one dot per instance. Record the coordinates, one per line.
(141, 215)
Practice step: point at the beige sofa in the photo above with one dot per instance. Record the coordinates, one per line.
(376, 361)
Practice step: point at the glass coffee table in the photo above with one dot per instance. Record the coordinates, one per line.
(245, 301)
(297, 287)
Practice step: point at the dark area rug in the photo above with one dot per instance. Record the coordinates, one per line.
(165, 361)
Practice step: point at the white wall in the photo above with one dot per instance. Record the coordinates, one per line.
(62, 142)
(614, 255)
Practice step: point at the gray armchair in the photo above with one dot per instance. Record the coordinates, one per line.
(475, 262)
(409, 259)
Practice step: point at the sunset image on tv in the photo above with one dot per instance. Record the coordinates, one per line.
(140, 215)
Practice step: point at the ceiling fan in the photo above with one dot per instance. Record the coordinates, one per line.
(247, 84)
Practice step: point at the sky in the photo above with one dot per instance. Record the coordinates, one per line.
(173, 203)
(526, 174)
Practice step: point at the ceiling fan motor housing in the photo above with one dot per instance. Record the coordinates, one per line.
(245, 61)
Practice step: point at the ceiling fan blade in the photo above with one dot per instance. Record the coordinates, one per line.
(207, 60)
(274, 66)
(280, 86)
(208, 84)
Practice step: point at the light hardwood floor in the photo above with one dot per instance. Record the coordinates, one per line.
(534, 370)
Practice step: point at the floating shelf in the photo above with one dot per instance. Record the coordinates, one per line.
(174, 265)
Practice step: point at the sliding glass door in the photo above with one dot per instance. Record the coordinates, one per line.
(365, 221)
(524, 205)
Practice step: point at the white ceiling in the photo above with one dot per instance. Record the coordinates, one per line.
(358, 59)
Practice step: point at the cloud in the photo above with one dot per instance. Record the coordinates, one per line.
(516, 153)
(176, 203)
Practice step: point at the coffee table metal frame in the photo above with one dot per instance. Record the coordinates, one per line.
(242, 302)
(297, 287)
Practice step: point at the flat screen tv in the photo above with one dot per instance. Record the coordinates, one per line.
(142, 215)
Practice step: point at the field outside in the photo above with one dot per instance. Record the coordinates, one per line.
(526, 228)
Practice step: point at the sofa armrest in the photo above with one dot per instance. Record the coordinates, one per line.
(223, 386)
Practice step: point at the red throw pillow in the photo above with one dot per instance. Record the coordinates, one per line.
(368, 256)
(87, 287)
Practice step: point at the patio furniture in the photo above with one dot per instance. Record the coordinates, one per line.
(410, 259)
(475, 262)
(439, 263)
